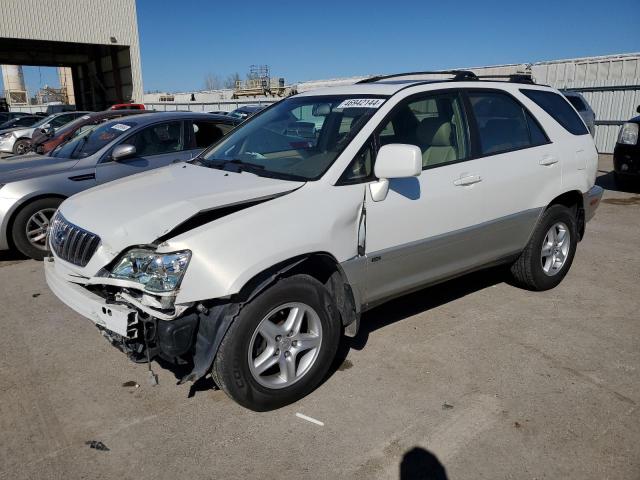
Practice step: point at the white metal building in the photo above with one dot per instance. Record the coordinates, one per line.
(97, 39)
(611, 84)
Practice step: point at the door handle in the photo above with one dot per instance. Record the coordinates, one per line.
(548, 160)
(467, 180)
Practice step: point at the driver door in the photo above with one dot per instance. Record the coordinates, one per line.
(156, 145)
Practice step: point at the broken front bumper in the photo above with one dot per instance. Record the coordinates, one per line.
(127, 327)
(113, 317)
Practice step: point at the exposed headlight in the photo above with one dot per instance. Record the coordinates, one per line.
(158, 272)
(628, 134)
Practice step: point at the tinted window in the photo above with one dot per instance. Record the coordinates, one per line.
(434, 123)
(557, 106)
(577, 103)
(501, 120)
(205, 133)
(157, 139)
(25, 121)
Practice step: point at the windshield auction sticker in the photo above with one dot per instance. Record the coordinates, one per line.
(120, 126)
(361, 103)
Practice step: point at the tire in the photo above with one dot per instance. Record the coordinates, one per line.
(240, 380)
(21, 147)
(535, 271)
(32, 215)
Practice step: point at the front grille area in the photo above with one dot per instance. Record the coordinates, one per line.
(72, 243)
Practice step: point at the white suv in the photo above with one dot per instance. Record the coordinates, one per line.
(251, 260)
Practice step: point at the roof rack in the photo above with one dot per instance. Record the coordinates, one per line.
(458, 76)
(513, 77)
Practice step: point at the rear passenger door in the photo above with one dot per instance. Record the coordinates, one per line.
(203, 133)
(518, 164)
(156, 145)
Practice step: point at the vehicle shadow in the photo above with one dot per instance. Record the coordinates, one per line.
(607, 181)
(415, 303)
(420, 464)
(11, 256)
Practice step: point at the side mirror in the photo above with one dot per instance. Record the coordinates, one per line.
(396, 160)
(122, 152)
(638, 109)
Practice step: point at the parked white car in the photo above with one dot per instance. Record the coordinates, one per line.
(251, 260)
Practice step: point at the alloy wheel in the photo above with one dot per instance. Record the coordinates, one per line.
(285, 345)
(37, 227)
(555, 248)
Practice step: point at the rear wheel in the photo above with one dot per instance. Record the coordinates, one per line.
(548, 256)
(280, 346)
(30, 227)
(21, 147)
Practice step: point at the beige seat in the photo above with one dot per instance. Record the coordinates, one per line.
(434, 139)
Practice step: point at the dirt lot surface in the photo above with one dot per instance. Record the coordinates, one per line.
(467, 380)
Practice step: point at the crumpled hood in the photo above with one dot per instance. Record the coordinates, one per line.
(31, 165)
(137, 210)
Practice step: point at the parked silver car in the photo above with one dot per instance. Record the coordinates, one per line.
(584, 109)
(32, 186)
(18, 140)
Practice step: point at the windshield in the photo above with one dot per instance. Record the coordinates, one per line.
(45, 120)
(297, 138)
(91, 140)
(69, 127)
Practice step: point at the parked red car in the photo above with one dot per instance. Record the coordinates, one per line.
(127, 106)
(48, 143)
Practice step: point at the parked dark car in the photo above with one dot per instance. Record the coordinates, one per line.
(626, 155)
(246, 111)
(44, 143)
(21, 121)
(6, 116)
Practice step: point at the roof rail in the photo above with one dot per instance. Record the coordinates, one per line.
(513, 77)
(457, 75)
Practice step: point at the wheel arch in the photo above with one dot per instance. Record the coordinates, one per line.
(573, 200)
(18, 208)
(323, 267)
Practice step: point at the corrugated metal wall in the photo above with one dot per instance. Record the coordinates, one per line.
(611, 85)
(76, 21)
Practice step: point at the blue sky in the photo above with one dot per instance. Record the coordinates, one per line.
(181, 42)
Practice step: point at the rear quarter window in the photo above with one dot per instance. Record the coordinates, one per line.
(558, 107)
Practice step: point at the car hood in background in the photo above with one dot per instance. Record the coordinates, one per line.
(31, 165)
(138, 210)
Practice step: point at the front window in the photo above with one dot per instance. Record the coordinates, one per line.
(93, 140)
(298, 138)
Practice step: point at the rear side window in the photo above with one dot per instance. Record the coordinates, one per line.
(205, 133)
(157, 139)
(503, 124)
(577, 103)
(556, 105)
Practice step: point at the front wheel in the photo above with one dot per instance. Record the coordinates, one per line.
(280, 346)
(30, 227)
(21, 147)
(548, 256)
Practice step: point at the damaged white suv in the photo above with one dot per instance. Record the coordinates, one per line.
(251, 260)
